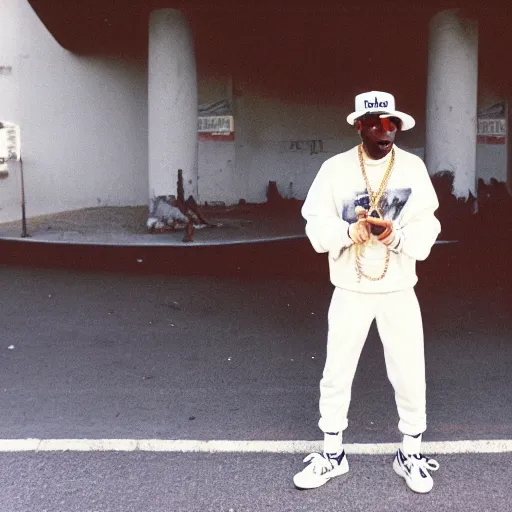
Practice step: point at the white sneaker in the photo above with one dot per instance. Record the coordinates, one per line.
(320, 470)
(415, 470)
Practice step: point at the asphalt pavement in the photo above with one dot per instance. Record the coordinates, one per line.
(91, 354)
(241, 483)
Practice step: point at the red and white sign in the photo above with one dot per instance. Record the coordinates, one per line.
(492, 125)
(216, 128)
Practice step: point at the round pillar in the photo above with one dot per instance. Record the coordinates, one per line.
(451, 123)
(509, 143)
(172, 104)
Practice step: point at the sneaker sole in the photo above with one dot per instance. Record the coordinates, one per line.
(400, 472)
(343, 471)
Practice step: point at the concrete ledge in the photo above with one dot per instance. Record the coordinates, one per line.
(279, 257)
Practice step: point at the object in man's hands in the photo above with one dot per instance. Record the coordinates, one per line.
(385, 227)
(360, 213)
(376, 230)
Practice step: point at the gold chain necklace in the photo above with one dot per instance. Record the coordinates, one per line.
(374, 198)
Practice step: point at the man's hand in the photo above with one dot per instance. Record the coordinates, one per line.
(387, 237)
(359, 231)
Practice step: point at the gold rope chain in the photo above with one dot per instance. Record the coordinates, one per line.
(359, 267)
(374, 206)
(375, 196)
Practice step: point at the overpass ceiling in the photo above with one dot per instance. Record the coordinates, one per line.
(121, 26)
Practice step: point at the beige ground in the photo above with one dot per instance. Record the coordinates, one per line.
(127, 225)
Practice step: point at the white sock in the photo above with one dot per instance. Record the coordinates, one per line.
(411, 444)
(333, 443)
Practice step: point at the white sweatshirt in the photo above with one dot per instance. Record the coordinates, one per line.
(410, 202)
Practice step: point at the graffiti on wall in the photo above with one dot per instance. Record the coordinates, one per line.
(313, 146)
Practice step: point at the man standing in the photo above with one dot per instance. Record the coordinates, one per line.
(372, 210)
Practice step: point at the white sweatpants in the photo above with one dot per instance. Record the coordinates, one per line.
(399, 323)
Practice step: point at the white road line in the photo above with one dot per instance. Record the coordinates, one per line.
(299, 447)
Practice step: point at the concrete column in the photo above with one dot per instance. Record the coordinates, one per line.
(172, 104)
(508, 140)
(452, 99)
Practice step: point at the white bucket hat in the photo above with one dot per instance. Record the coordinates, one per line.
(379, 102)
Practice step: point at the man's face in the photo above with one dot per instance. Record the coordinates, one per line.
(378, 134)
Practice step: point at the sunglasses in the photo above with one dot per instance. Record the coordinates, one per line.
(388, 124)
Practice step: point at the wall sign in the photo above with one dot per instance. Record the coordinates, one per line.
(492, 125)
(215, 121)
(10, 145)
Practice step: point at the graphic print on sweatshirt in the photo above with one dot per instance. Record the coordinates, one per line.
(391, 204)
